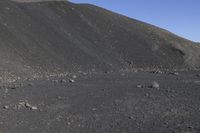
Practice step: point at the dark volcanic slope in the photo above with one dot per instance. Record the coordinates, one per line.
(51, 37)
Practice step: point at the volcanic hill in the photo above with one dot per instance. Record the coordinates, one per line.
(48, 37)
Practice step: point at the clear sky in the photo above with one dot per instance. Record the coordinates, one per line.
(181, 17)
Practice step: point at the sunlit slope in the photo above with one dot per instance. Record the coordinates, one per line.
(41, 38)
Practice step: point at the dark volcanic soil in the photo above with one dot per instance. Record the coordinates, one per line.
(42, 46)
(104, 103)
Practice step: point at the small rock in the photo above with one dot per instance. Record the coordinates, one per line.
(63, 81)
(130, 117)
(155, 85)
(22, 103)
(5, 107)
(190, 127)
(34, 108)
(139, 86)
(71, 80)
(27, 105)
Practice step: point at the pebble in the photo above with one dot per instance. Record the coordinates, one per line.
(139, 86)
(27, 105)
(34, 108)
(130, 117)
(5, 107)
(63, 81)
(71, 80)
(155, 85)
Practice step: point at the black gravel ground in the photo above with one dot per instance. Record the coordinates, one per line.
(103, 103)
(43, 42)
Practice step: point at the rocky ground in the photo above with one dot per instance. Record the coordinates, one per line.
(137, 102)
(42, 42)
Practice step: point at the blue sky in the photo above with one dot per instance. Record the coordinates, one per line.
(181, 17)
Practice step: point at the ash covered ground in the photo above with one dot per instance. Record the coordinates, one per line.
(78, 68)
